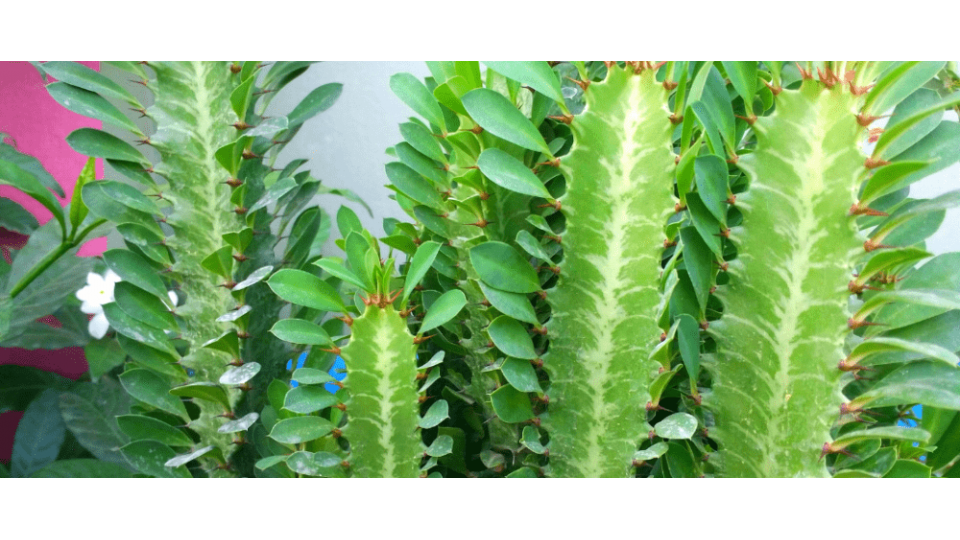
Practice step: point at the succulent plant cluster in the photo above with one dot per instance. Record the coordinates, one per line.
(611, 269)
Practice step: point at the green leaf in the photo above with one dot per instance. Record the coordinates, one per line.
(438, 412)
(149, 458)
(420, 263)
(300, 429)
(269, 462)
(497, 115)
(885, 432)
(91, 105)
(206, 391)
(904, 301)
(412, 92)
(145, 428)
(336, 269)
(501, 267)
(743, 75)
(917, 101)
(348, 222)
(653, 452)
(884, 178)
(134, 269)
(81, 76)
(443, 310)
(423, 140)
(893, 132)
(699, 264)
(677, 426)
(220, 262)
(89, 412)
(39, 435)
(121, 203)
(255, 277)
(441, 446)
(95, 143)
(227, 342)
(143, 306)
(509, 173)
(240, 424)
(82, 468)
(13, 175)
(308, 399)
(240, 375)
(138, 331)
(413, 185)
(897, 84)
(301, 288)
(149, 388)
(531, 440)
(311, 376)
(907, 468)
(420, 163)
(521, 375)
(102, 356)
(536, 75)
(928, 383)
(511, 405)
(885, 344)
(511, 338)
(890, 261)
(301, 332)
(711, 177)
(78, 210)
(15, 218)
(317, 101)
(512, 304)
(689, 339)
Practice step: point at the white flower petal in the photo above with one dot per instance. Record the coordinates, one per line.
(112, 276)
(98, 326)
(86, 294)
(173, 298)
(91, 308)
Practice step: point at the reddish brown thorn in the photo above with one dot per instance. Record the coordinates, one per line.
(421, 399)
(859, 90)
(874, 134)
(865, 120)
(229, 284)
(241, 125)
(484, 195)
(247, 154)
(336, 433)
(236, 362)
(828, 448)
(857, 210)
(566, 118)
(555, 162)
(804, 74)
(542, 294)
(139, 81)
(240, 257)
(332, 350)
(241, 210)
(609, 63)
(535, 421)
(480, 223)
(395, 294)
(542, 330)
(227, 414)
(347, 319)
(733, 159)
(651, 434)
(651, 407)
(476, 130)
(421, 376)
(341, 406)
(420, 339)
(871, 163)
(775, 89)
(704, 325)
(713, 289)
(238, 442)
(670, 85)
(417, 241)
(246, 387)
(235, 68)
(724, 266)
(676, 119)
(144, 141)
(143, 112)
(853, 323)
(338, 384)
(667, 243)
(725, 233)
(555, 238)
(555, 205)
(639, 463)
(234, 182)
(677, 208)
(147, 170)
(243, 334)
(676, 160)
(829, 78)
(748, 119)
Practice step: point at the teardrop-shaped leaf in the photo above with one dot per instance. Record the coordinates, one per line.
(521, 375)
(338, 270)
(306, 399)
(531, 440)
(300, 429)
(423, 140)
(183, 459)
(413, 185)
(91, 105)
(511, 405)
(515, 305)
(420, 263)
(502, 267)
(311, 376)
(711, 177)
(655, 451)
(141, 428)
(39, 435)
(441, 446)
(886, 177)
(884, 432)
(227, 342)
(240, 375)
(689, 339)
(677, 426)
(536, 75)
(136, 330)
(149, 458)
(78, 210)
(206, 391)
(511, 338)
(927, 383)
(95, 143)
(413, 92)
(438, 412)
(301, 288)
(884, 344)
(255, 277)
(443, 309)
(81, 76)
(510, 173)
(743, 75)
(134, 269)
(82, 468)
(317, 101)
(301, 332)
(13, 175)
(145, 386)
(143, 306)
(497, 115)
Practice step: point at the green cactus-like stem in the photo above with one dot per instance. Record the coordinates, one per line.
(383, 408)
(194, 117)
(776, 383)
(619, 181)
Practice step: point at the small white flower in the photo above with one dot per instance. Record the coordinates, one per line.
(99, 291)
(173, 300)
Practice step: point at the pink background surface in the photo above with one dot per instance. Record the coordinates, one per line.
(40, 125)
